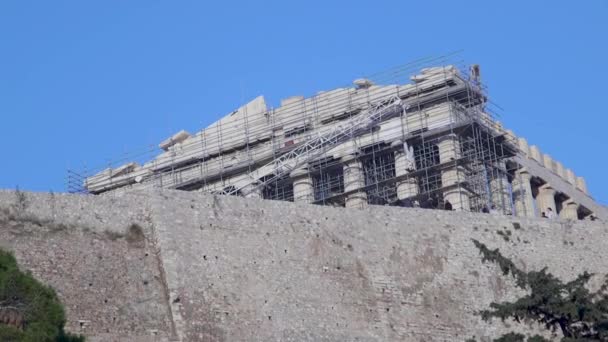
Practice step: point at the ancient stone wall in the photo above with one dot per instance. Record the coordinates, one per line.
(214, 268)
(98, 254)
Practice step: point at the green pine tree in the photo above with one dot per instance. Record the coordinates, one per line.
(569, 309)
(29, 310)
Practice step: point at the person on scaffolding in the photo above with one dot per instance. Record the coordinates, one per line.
(447, 205)
(430, 203)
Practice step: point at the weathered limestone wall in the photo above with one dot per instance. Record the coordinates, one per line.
(234, 269)
(265, 270)
(106, 274)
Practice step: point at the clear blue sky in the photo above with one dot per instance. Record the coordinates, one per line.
(84, 81)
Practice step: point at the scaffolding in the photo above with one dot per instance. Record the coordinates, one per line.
(443, 115)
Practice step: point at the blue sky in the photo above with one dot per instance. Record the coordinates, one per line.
(82, 82)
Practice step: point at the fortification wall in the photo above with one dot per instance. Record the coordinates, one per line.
(106, 274)
(234, 269)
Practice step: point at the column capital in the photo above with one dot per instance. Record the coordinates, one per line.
(450, 136)
(349, 158)
(546, 187)
(299, 172)
(569, 210)
(397, 143)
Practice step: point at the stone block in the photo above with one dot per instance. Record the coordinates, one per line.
(581, 184)
(535, 154)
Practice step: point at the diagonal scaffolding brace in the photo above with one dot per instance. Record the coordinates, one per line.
(315, 147)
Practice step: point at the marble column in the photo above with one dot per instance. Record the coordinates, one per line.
(569, 210)
(404, 164)
(522, 194)
(499, 189)
(453, 176)
(303, 190)
(354, 182)
(546, 199)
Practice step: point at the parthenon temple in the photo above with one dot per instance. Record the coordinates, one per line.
(426, 139)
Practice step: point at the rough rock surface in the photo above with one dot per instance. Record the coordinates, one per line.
(184, 266)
